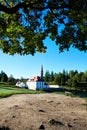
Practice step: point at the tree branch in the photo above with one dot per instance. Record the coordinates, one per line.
(6, 3)
(13, 10)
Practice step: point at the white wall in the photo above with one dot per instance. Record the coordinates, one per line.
(35, 85)
(20, 84)
(53, 86)
(39, 85)
(31, 85)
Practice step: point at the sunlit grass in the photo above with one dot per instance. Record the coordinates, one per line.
(6, 91)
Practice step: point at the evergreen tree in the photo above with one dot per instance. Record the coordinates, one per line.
(47, 76)
(51, 76)
(4, 77)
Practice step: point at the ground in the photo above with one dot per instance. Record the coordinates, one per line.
(47, 111)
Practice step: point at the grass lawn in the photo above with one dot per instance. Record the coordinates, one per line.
(8, 90)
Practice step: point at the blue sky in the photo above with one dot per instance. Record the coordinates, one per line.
(52, 60)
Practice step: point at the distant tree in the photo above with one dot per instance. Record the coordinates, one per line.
(71, 74)
(4, 77)
(76, 72)
(74, 82)
(66, 77)
(11, 80)
(84, 77)
(69, 83)
(24, 24)
(23, 80)
(57, 79)
(0, 76)
(76, 77)
(63, 78)
(51, 76)
(47, 76)
(80, 76)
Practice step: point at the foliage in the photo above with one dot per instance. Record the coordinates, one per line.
(24, 25)
(71, 79)
(47, 76)
(57, 79)
(51, 76)
(12, 80)
(3, 77)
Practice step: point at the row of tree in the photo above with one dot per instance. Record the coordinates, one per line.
(10, 79)
(70, 79)
(4, 78)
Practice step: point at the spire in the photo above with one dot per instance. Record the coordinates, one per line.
(41, 72)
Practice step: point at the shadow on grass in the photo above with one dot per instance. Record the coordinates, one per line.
(82, 94)
(79, 93)
(54, 90)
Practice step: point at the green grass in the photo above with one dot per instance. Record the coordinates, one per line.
(62, 93)
(77, 92)
(8, 90)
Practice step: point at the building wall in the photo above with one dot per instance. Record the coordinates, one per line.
(20, 84)
(53, 86)
(39, 85)
(35, 85)
(31, 85)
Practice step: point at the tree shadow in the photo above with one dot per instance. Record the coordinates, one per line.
(50, 90)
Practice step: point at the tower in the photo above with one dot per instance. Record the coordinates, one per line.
(41, 72)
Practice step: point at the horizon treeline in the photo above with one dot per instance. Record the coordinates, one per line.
(4, 78)
(71, 78)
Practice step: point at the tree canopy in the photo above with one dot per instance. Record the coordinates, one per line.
(25, 24)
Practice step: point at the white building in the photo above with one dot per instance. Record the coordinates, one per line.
(20, 84)
(36, 82)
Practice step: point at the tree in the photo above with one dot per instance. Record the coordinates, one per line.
(12, 80)
(51, 76)
(84, 77)
(69, 83)
(47, 76)
(71, 74)
(57, 79)
(74, 83)
(24, 24)
(3, 77)
(0, 76)
(63, 77)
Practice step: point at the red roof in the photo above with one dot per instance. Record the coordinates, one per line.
(36, 78)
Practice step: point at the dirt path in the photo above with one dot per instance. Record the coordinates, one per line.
(47, 111)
